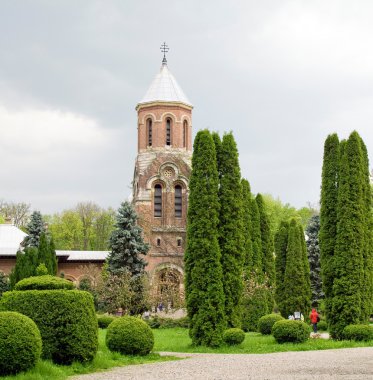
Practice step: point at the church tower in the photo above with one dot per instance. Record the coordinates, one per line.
(161, 177)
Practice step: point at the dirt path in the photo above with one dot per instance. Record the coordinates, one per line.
(347, 364)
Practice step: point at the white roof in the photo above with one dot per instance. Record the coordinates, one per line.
(164, 88)
(10, 239)
(84, 255)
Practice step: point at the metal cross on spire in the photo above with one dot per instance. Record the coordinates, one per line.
(164, 50)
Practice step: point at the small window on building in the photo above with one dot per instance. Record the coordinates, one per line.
(149, 128)
(178, 201)
(157, 200)
(179, 241)
(185, 133)
(158, 242)
(168, 132)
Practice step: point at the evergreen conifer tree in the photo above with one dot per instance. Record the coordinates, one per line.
(47, 254)
(296, 295)
(35, 228)
(267, 242)
(313, 249)
(126, 244)
(217, 142)
(328, 216)
(281, 244)
(26, 264)
(248, 247)
(367, 309)
(347, 295)
(257, 257)
(231, 229)
(203, 271)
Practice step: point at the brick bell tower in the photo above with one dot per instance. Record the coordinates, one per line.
(161, 177)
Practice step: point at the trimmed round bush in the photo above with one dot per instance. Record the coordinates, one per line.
(322, 326)
(20, 343)
(129, 336)
(266, 322)
(358, 332)
(233, 336)
(66, 320)
(290, 331)
(104, 321)
(46, 282)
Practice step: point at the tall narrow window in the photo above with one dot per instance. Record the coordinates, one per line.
(157, 200)
(185, 133)
(168, 132)
(178, 201)
(150, 132)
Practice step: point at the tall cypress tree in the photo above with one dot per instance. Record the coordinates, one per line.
(313, 250)
(47, 254)
(248, 247)
(231, 235)
(203, 270)
(328, 216)
(257, 257)
(281, 244)
(267, 242)
(347, 297)
(296, 296)
(367, 308)
(306, 269)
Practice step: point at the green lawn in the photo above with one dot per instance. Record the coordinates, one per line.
(177, 340)
(103, 360)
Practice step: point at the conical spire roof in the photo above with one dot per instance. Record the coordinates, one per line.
(164, 88)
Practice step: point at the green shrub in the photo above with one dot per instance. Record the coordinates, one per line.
(254, 308)
(130, 336)
(44, 283)
(322, 326)
(358, 332)
(290, 331)
(66, 320)
(154, 322)
(167, 323)
(20, 343)
(266, 322)
(233, 336)
(41, 270)
(104, 321)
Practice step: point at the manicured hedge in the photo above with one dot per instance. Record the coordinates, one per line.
(104, 321)
(233, 336)
(129, 336)
(358, 332)
(290, 331)
(46, 282)
(66, 320)
(20, 343)
(266, 323)
(167, 323)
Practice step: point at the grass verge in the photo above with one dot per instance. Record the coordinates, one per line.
(104, 360)
(177, 340)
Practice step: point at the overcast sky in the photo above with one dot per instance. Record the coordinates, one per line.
(281, 75)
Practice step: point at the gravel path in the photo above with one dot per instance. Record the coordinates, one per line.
(349, 364)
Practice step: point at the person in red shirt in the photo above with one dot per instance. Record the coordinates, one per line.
(314, 317)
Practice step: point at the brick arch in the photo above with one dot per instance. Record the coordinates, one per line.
(147, 116)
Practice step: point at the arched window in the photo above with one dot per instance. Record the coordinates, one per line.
(168, 132)
(178, 201)
(149, 128)
(157, 200)
(185, 133)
